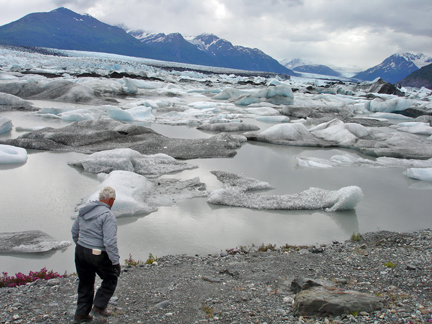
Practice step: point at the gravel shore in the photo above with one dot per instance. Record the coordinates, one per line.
(249, 286)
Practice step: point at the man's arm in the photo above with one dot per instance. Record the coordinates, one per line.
(110, 238)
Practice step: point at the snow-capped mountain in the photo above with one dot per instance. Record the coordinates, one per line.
(395, 67)
(64, 29)
(292, 64)
(211, 48)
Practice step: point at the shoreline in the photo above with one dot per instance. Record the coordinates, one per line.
(250, 287)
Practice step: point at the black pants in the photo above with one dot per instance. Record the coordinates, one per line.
(87, 265)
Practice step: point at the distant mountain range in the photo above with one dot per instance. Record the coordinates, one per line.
(419, 78)
(64, 29)
(393, 69)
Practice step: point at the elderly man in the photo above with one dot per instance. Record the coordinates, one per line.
(95, 235)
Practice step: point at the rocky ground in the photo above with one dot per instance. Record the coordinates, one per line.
(249, 286)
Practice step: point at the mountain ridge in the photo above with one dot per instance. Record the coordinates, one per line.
(62, 28)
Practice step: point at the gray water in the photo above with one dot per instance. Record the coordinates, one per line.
(42, 194)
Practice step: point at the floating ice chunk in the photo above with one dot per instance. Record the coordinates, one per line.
(339, 132)
(135, 194)
(228, 127)
(79, 114)
(130, 160)
(237, 181)
(11, 154)
(5, 125)
(13, 101)
(29, 242)
(203, 105)
(263, 111)
(388, 105)
(314, 198)
(28, 129)
(140, 84)
(424, 174)
(229, 93)
(389, 116)
(348, 160)
(273, 119)
(133, 114)
(415, 128)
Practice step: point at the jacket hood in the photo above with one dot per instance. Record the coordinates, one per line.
(92, 210)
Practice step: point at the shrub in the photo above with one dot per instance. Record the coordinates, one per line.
(131, 261)
(356, 237)
(151, 259)
(22, 279)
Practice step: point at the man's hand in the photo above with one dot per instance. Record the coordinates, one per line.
(117, 269)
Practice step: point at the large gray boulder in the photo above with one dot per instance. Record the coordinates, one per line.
(91, 136)
(333, 301)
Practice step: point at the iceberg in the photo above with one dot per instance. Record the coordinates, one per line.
(415, 128)
(339, 132)
(245, 183)
(11, 154)
(135, 194)
(29, 242)
(345, 198)
(424, 174)
(11, 101)
(383, 104)
(133, 114)
(5, 125)
(348, 160)
(130, 160)
(228, 127)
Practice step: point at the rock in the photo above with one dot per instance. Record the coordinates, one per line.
(331, 301)
(162, 304)
(91, 136)
(300, 284)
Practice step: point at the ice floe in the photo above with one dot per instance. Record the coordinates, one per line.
(5, 125)
(29, 242)
(135, 194)
(424, 174)
(129, 160)
(314, 198)
(11, 154)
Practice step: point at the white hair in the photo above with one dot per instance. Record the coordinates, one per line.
(107, 193)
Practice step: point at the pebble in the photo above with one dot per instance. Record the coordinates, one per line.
(250, 287)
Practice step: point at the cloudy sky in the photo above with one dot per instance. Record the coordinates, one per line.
(344, 33)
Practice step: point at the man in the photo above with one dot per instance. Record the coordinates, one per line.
(95, 235)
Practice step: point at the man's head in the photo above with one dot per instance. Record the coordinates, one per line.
(107, 195)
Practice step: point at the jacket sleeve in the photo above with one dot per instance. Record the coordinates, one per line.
(110, 238)
(75, 231)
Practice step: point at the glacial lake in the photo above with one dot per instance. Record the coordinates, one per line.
(43, 193)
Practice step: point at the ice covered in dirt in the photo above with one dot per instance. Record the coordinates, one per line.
(130, 160)
(350, 160)
(228, 127)
(29, 242)
(314, 198)
(238, 181)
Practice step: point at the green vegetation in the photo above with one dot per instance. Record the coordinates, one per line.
(356, 237)
(389, 265)
(208, 310)
(151, 259)
(132, 262)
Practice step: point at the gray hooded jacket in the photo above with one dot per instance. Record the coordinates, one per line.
(96, 228)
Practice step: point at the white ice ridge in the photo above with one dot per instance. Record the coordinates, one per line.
(12, 154)
(349, 160)
(314, 198)
(130, 160)
(424, 174)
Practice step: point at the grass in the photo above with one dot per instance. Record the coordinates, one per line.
(208, 310)
(389, 264)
